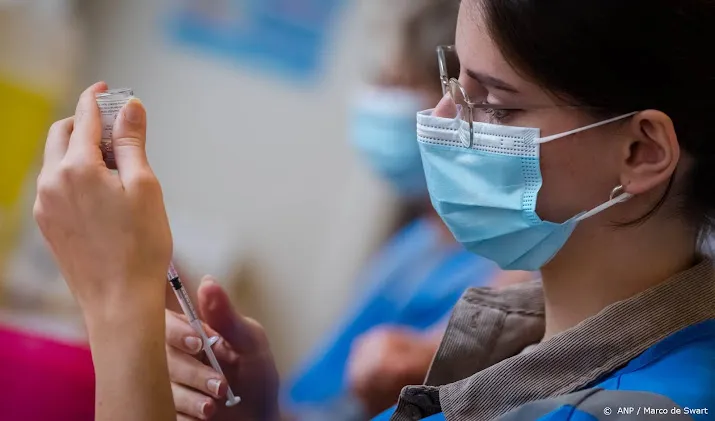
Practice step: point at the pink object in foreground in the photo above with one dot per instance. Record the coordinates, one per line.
(42, 379)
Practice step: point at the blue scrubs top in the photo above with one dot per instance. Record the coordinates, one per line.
(413, 281)
(680, 367)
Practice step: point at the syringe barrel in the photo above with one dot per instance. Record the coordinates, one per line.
(184, 300)
(185, 303)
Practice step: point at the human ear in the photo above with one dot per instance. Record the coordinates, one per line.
(651, 153)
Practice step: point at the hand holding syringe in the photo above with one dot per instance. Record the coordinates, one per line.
(185, 302)
(110, 103)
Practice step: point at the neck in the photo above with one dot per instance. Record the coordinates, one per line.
(603, 265)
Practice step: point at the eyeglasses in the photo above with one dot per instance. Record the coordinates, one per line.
(462, 106)
(475, 108)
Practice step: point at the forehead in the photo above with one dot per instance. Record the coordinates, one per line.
(475, 48)
(478, 53)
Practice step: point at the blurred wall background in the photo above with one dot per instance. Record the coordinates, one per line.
(41, 53)
(256, 168)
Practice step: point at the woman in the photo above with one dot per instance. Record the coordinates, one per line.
(578, 112)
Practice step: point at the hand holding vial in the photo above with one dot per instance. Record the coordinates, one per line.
(108, 231)
(109, 234)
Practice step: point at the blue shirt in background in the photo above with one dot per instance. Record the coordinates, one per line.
(413, 281)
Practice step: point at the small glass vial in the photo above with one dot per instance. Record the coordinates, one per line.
(110, 103)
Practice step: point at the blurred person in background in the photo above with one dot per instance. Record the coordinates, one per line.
(394, 327)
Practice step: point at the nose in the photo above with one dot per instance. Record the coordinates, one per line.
(446, 108)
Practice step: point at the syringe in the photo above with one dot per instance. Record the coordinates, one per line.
(194, 321)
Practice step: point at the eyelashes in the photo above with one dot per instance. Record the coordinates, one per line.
(495, 115)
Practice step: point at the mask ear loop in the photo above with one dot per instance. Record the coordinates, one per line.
(583, 129)
(618, 195)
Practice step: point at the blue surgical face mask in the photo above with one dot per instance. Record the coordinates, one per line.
(485, 189)
(382, 130)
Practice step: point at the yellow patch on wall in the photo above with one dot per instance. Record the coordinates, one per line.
(25, 116)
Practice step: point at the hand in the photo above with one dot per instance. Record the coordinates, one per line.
(385, 360)
(244, 354)
(108, 230)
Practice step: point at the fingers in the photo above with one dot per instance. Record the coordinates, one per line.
(58, 140)
(192, 404)
(243, 334)
(87, 133)
(187, 371)
(129, 142)
(181, 417)
(180, 335)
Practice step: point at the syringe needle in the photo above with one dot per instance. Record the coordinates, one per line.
(194, 321)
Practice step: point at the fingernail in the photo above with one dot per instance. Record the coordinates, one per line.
(214, 386)
(206, 409)
(213, 340)
(193, 343)
(134, 111)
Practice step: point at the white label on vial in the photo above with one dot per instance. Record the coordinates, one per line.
(109, 110)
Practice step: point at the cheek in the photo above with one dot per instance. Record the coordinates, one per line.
(573, 178)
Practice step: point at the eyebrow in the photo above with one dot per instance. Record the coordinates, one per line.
(491, 81)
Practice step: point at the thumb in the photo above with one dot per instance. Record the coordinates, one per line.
(243, 334)
(129, 140)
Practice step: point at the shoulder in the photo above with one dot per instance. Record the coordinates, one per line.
(420, 228)
(415, 238)
(597, 404)
(680, 368)
(674, 379)
(410, 243)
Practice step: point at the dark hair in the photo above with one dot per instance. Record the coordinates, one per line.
(619, 56)
(428, 26)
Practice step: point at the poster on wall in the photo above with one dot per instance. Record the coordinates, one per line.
(284, 37)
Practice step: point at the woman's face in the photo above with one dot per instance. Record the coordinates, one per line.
(579, 171)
